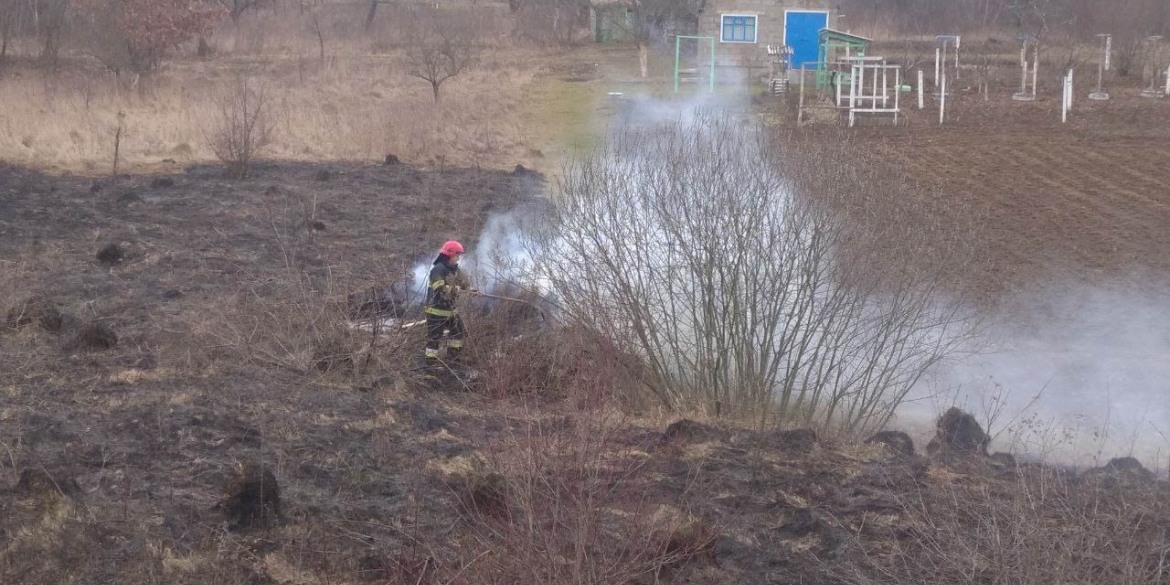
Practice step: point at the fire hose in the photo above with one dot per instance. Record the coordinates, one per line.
(512, 300)
(486, 296)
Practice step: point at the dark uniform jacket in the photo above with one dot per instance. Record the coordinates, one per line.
(445, 284)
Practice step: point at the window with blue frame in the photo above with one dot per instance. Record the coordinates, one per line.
(738, 29)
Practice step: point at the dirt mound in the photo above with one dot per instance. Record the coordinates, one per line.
(958, 434)
(795, 441)
(523, 171)
(251, 496)
(896, 442)
(111, 254)
(323, 175)
(693, 432)
(38, 483)
(1125, 469)
(36, 310)
(96, 336)
(391, 160)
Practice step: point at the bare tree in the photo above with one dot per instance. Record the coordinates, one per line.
(748, 281)
(440, 47)
(51, 22)
(373, 12)
(244, 127)
(10, 12)
(652, 18)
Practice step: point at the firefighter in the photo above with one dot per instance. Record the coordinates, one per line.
(443, 320)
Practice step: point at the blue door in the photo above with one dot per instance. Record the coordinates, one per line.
(801, 31)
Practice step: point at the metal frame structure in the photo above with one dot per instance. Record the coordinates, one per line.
(1102, 66)
(1024, 95)
(879, 96)
(678, 54)
(940, 55)
(780, 57)
(829, 47)
(1154, 91)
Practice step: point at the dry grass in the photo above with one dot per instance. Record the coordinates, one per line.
(357, 108)
(343, 96)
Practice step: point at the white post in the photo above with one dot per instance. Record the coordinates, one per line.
(885, 87)
(852, 92)
(958, 43)
(921, 81)
(936, 58)
(800, 110)
(1168, 81)
(897, 93)
(1108, 50)
(942, 104)
(1035, 70)
(860, 83)
(1024, 68)
(1070, 89)
(873, 101)
(838, 84)
(1066, 98)
(944, 59)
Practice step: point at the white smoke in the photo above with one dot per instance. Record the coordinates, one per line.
(1070, 374)
(501, 259)
(1078, 374)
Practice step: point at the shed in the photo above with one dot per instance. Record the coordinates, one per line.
(743, 30)
(833, 49)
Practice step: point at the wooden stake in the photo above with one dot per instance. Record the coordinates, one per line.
(800, 110)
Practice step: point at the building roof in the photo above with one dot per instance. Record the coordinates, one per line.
(843, 35)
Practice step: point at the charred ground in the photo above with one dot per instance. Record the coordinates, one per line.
(164, 419)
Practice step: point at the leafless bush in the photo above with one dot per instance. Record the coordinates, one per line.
(441, 47)
(749, 275)
(519, 354)
(578, 506)
(1043, 527)
(245, 126)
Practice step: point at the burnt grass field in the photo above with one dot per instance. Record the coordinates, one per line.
(182, 402)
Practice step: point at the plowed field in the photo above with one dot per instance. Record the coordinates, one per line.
(1074, 203)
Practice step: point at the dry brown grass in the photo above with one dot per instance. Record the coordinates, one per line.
(348, 99)
(359, 108)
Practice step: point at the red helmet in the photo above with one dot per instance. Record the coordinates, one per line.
(452, 248)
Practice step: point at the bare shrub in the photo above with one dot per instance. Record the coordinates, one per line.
(752, 276)
(441, 47)
(1042, 527)
(245, 126)
(518, 353)
(580, 507)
